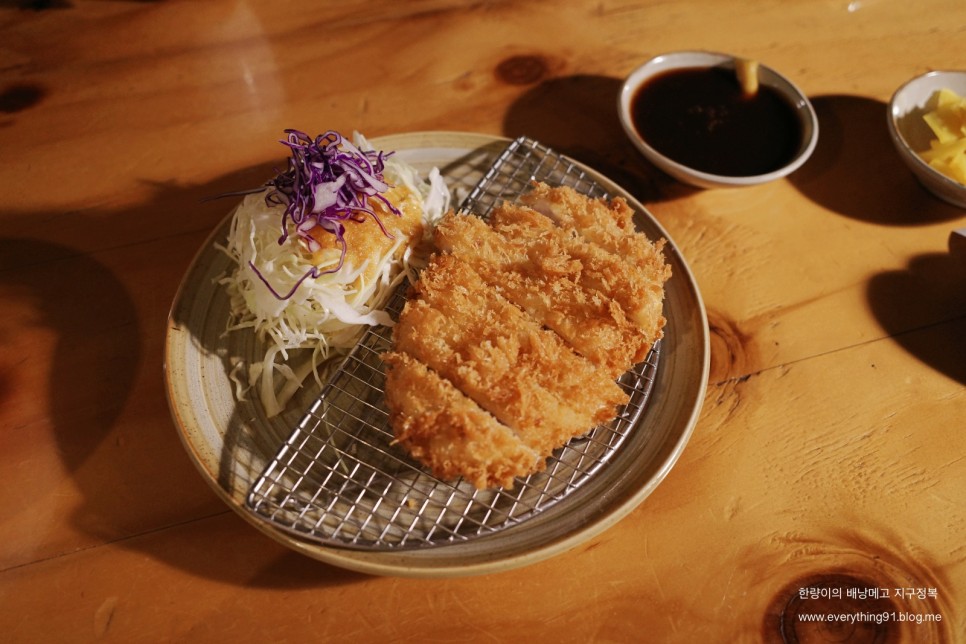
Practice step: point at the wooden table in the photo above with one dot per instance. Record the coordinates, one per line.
(829, 456)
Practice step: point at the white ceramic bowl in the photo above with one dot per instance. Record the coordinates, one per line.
(911, 134)
(703, 59)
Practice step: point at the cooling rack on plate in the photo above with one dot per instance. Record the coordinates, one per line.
(339, 480)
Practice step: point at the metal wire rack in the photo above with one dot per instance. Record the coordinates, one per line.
(339, 479)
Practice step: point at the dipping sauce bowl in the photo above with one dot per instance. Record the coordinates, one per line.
(687, 114)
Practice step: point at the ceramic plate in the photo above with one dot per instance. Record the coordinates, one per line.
(231, 441)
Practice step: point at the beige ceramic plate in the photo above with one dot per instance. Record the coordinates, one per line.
(230, 441)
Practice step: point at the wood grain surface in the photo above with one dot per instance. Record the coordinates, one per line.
(830, 457)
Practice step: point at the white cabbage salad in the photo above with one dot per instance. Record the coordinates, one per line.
(317, 252)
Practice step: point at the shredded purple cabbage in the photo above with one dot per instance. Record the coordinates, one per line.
(328, 181)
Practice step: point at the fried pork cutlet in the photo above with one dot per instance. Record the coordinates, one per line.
(514, 334)
(449, 433)
(575, 288)
(600, 269)
(500, 357)
(609, 225)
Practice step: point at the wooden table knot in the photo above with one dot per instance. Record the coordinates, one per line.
(523, 69)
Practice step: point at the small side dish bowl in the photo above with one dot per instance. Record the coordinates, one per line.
(798, 139)
(911, 135)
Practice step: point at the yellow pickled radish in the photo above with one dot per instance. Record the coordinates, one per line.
(947, 120)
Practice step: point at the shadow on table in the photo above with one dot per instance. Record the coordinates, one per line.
(98, 337)
(932, 284)
(577, 116)
(856, 172)
(44, 5)
(104, 395)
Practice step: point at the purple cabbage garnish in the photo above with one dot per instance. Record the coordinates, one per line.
(328, 181)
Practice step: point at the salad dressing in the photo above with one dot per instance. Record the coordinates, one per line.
(365, 240)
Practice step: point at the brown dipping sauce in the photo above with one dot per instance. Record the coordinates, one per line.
(700, 118)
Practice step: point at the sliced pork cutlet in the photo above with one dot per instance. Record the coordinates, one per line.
(610, 225)
(601, 271)
(449, 433)
(532, 268)
(502, 358)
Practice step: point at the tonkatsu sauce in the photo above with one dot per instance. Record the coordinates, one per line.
(700, 118)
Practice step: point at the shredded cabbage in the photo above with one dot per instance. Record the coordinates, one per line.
(325, 305)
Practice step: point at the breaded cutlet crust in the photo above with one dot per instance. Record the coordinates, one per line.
(609, 225)
(500, 357)
(449, 433)
(511, 340)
